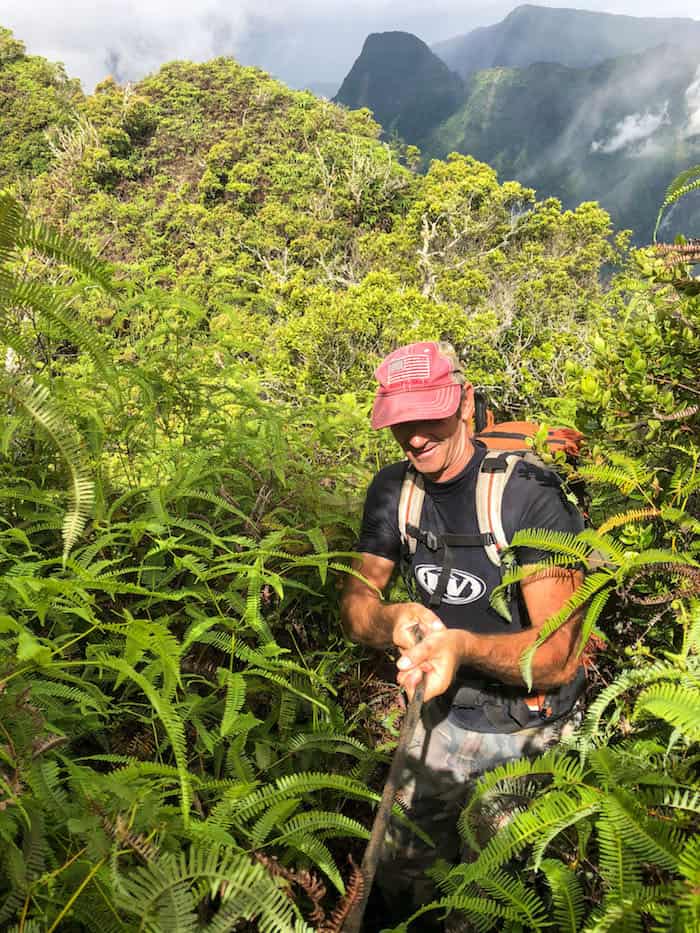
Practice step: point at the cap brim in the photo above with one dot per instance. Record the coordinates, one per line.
(416, 405)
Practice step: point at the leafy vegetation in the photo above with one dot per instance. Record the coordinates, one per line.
(37, 96)
(187, 742)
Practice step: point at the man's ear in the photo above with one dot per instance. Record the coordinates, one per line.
(468, 407)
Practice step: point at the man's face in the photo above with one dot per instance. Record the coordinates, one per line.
(441, 448)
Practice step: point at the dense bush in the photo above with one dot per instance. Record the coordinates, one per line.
(187, 741)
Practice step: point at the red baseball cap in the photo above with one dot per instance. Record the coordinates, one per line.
(418, 382)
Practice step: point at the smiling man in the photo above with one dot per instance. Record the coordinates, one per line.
(478, 711)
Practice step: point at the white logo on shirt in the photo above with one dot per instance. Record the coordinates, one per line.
(462, 587)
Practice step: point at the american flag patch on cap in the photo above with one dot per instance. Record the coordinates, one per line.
(410, 367)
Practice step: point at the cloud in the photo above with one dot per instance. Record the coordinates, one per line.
(633, 129)
(692, 98)
(310, 40)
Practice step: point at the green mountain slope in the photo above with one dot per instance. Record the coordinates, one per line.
(409, 89)
(35, 96)
(577, 38)
(617, 132)
(217, 172)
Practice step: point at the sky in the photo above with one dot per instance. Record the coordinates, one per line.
(305, 44)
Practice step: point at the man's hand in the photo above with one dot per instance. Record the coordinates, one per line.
(406, 617)
(436, 659)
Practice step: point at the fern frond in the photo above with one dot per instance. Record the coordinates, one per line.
(508, 779)
(36, 402)
(342, 744)
(627, 518)
(548, 540)
(162, 894)
(689, 867)
(657, 556)
(623, 480)
(512, 891)
(319, 854)
(552, 810)
(239, 810)
(627, 680)
(616, 863)
(649, 839)
(472, 906)
(271, 819)
(682, 184)
(172, 724)
(283, 682)
(313, 821)
(11, 219)
(677, 705)
(590, 620)
(567, 895)
(235, 698)
(567, 820)
(45, 303)
(52, 244)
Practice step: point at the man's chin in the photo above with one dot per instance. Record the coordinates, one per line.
(428, 467)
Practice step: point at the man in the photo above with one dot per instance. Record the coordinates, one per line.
(478, 711)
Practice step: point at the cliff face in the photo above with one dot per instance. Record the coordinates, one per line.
(577, 38)
(409, 89)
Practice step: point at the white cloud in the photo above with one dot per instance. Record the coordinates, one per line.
(299, 42)
(633, 129)
(692, 97)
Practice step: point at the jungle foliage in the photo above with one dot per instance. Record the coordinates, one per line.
(187, 743)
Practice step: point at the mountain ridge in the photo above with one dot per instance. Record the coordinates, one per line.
(616, 130)
(582, 38)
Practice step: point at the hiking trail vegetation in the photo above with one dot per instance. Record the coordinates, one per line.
(198, 275)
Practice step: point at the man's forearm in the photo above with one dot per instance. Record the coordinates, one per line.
(367, 619)
(498, 656)
(370, 620)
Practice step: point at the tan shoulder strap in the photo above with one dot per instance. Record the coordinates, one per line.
(410, 505)
(490, 486)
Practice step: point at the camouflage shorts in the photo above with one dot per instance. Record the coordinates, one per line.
(444, 763)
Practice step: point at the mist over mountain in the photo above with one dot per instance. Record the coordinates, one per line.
(616, 131)
(577, 38)
(409, 89)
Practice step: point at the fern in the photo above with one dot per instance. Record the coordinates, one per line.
(625, 518)
(171, 722)
(676, 704)
(689, 865)
(36, 402)
(165, 893)
(591, 586)
(682, 184)
(235, 697)
(567, 895)
(513, 892)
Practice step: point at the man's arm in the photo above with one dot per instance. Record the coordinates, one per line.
(367, 618)
(498, 656)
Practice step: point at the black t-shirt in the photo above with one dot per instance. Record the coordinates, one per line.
(533, 498)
